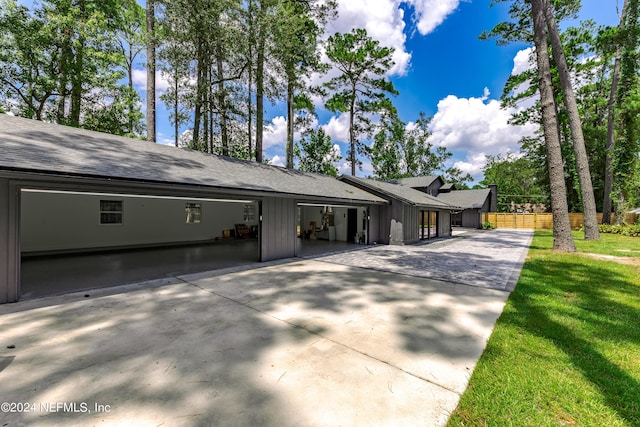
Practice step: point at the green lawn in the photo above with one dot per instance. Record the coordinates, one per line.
(566, 350)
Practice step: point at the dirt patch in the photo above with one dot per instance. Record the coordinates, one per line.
(619, 259)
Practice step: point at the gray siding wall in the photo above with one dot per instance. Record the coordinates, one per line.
(394, 211)
(278, 229)
(444, 224)
(384, 219)
(486, 207)
(434, 187)
(374, 224)
(471, 218)
(9, 241)
(410, 223)
(384, 223)
(409, 216)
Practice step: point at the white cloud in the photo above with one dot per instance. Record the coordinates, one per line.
(364, 169)
(335, 152)
(277, 161)
(338, 128)
(367, 169)
(275, 133)
(165, 141)
(410, 126)
(431, 13)
(473, 164)
(344, 168)
(477, 126)
(139, 77)
(383, 20)
(523, 61)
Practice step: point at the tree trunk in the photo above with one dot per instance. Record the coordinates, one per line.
(197, 109)
(250, 113)
(76, 78)
(352, 137)
(76, 86)
(63, 80)
(621, 211)
(582, 161)
(250, 43)
(176, 108)
(625, 155)
(260, 91)
(151, 71)
(562, 238)
(290, 120)
(206, 91)
(222, 102)
(610, 147)
(130, 105)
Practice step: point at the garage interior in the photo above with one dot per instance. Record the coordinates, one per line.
(324, 226)
(73, 241)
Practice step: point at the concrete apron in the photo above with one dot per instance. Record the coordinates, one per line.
(301, 343)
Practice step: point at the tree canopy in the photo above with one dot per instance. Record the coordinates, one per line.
(361, 88)
(74, 62)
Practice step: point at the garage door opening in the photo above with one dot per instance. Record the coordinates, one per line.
(331, 228)
(72, 241)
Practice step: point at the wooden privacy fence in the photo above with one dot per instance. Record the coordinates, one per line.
(538, 221)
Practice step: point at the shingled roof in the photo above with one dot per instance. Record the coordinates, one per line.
(36, 147)
(466, 199)
(403, 193)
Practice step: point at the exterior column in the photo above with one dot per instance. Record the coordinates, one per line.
(9, 242)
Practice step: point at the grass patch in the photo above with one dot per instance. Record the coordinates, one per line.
(566, 349)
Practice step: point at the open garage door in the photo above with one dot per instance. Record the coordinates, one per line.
(330, 228)
(73, 241)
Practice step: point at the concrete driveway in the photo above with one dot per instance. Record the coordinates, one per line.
(381, 336)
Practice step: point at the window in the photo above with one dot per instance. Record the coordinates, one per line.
(249, 213)
(193, 212)
(111, 211)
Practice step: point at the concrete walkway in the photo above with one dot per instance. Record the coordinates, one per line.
(384, 336)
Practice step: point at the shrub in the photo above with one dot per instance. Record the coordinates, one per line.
(487, 226)
(625, 230)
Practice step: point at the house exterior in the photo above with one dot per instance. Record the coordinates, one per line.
(471, 203)
(67, 190)
(410, 215)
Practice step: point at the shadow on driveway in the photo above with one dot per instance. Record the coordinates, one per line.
(308, 342)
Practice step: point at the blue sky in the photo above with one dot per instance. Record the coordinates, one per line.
(442, 69)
